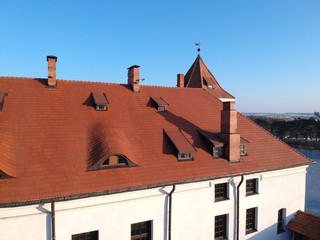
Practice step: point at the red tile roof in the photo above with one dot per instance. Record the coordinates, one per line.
(306, 224)
(51, 137)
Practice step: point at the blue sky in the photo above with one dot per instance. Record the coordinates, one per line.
(266, 53)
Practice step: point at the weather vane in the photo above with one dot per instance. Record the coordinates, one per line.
(198, 45)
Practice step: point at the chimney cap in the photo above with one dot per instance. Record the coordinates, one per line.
(133, 66)
(51, 56)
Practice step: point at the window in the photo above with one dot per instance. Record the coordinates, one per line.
(86, 236)
(184, 156)
(218, 151)
(251, 186)
(281, 220)
(251, 220)
(162, 105)
(243, 150)
(100, 101)
(141, 231)
(221, 191)
(220, 227)
(115, 160)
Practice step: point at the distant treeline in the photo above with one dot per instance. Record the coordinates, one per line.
(296, 132)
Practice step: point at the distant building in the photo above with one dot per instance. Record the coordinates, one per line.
(89, 160)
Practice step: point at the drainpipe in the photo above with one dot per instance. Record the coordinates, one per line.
(238, 205)
(53, 221)
(170, 209)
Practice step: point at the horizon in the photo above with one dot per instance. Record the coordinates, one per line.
(266, 54)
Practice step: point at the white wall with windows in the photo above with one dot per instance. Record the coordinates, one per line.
(195, 207)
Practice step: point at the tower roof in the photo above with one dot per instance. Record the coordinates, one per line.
(199, 76)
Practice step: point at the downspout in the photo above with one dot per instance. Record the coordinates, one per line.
(53, 222)
(238, 205)
(170, 210)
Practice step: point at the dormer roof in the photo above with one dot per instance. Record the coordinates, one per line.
(199, 76)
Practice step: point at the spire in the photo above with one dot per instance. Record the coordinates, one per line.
(199, 76)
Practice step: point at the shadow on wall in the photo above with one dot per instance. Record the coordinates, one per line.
(270, 233)
(43, 210)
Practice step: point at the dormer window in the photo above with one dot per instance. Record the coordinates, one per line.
(243, 146)
(218, 151)
(115, 160)
(161, 104)
(183, 147)
(2, 96)
(214, 142)
(100, 101)
(209, 85)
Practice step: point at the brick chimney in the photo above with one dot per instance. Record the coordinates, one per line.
(229, 131)
(180, 80)
(134, 78)
(52, 80)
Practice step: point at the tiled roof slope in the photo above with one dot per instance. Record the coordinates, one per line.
(49, 138)
(306, 224)
(198, 74)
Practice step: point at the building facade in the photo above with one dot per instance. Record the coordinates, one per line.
(85, 160)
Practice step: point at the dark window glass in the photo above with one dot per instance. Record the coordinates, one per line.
(86, 236)
(281, 220)
(243, 150)
(218, 152)
(141, 231)
(251, 220)
(251, 186)
(221, 191)
(220, 227)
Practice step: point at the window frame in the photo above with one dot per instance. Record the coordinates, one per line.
(221, 192)
(218, 151)
(243, 150)
(251, 220)
(221, 226)
(252, 186)
(92, 235)
(140, 233)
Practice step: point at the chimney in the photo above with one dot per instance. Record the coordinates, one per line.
(229, 131)
(134, 78)
(52, 80)
(180, 80)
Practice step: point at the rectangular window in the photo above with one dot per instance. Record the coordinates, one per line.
(252, 186)
(243, 150)
(141, 231)
(221, 191)
(281, 220)
(251, 220)
(218, 151)
(94, 235)
(220, 227)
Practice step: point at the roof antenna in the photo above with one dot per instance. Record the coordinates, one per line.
(198, 45)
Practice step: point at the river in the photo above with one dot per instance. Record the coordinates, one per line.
(313, 181)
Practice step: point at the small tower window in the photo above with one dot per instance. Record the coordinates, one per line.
(100, 101)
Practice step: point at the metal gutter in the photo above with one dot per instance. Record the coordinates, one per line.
(238, 205)
(170, 210)
(53, 221)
